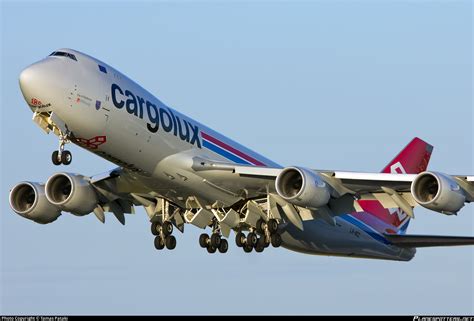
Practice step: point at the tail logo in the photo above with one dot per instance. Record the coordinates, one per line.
(401, 214)
(397, 168)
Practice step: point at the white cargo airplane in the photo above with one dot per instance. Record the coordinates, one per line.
(182, 172)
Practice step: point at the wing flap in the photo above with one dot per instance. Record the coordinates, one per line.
(428, 240)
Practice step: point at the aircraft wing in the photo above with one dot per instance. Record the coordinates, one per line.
(121, 189)
(391, 190)
(355, 182)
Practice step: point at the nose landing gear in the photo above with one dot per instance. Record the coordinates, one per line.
(62, 156)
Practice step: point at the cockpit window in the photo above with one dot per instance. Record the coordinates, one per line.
(63, 54)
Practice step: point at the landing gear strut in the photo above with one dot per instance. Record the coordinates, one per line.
(62, 156)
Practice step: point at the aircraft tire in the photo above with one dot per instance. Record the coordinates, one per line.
(66, 157)
(272, 226)
(260, 226)
(247, 249)
(224, 246)
(203, 240)
(240, 239)
(170, 242)
(159, 244)
(55, 158)
(276, 240)
(155, 228)
(252, 239)
(215, 240)
(167, 228)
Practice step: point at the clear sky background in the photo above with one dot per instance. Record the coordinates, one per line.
(329, 85)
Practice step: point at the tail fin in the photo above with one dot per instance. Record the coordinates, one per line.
(413, 159)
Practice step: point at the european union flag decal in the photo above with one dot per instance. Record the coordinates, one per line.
(97, 104)
(102, 68)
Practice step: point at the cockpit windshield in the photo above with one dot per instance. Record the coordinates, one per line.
(63, 54)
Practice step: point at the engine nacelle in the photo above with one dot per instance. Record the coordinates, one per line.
(302, 187)
(28, 199)
(71, 193)
(438, 192)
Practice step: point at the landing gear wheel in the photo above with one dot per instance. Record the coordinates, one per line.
(261, 243)
(276, 240)
(224, 246)
(170, 242)
(248, 249)
(240, 239)
(167, 228)
(260, 226)
(211, 249)
(252, 239)
(215, 240)
(259, 248)
(203, 240)
(266, 242)
(159, 244)
(272, 226)
(66, 157)
(55, 158)
(155, 228)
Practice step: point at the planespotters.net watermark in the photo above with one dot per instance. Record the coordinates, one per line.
(431, 318)
(36, 318)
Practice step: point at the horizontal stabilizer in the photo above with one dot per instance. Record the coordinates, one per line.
(428, 240)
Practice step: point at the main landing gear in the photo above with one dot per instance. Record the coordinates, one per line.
(163, 235)
(62, 156)
(213, 243)
(267, 233)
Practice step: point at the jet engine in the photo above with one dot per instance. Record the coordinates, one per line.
(302, 187)
(438, 192)
(71, 193)
(28, 199)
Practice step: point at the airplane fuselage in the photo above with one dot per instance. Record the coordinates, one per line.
(112, 116)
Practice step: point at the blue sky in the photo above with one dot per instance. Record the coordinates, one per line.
(329, 85)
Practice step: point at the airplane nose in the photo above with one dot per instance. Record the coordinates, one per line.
(29, 83)
(36, 84)
(25, 76)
